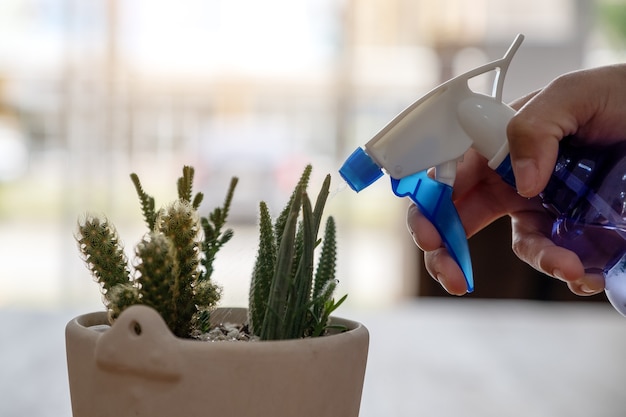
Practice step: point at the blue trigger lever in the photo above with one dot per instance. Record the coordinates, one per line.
(434, 199)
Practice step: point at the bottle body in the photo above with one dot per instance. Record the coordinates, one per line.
(587, 196)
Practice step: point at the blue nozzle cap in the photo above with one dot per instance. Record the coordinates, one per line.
(359, 170)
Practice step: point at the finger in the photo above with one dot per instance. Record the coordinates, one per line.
(424, 233)
(444, 269)
(536, 249)
(563, 265)
(438, 262)
(518, 103)
(586, 103)
(536, 129)
(589, 284)
(480, 195)
(533, 153)
(531, 243)
(490, 201)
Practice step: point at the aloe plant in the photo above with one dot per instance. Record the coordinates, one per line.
(289, 298)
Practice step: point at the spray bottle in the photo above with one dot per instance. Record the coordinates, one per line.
(586, 192)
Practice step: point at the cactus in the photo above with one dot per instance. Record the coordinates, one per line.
(173, 264)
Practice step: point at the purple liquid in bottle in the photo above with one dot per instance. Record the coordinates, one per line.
(598, 247)
(587, 195)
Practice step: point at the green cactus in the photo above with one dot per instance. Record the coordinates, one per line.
(288, 297)
(173, 261)
(103, 254)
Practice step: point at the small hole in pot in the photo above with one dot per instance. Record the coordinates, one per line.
(135, 328)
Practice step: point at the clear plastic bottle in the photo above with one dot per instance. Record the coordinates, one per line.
(587, 195)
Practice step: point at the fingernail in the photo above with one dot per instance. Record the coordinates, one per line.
(414, 237)
(558, 275)
(442, 279)
(586, 289)
(526, 175)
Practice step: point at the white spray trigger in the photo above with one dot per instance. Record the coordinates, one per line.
(430, 131)
(436, 131)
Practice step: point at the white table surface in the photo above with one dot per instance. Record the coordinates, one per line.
(432, 357)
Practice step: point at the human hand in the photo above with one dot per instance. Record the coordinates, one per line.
(587, 104)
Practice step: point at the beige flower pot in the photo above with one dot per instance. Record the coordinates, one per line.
(138, 367)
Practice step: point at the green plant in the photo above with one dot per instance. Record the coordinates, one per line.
(288, 299)
(173, 261)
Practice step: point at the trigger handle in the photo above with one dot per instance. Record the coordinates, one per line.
(434, 200)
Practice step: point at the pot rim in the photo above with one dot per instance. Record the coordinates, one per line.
(92, 324)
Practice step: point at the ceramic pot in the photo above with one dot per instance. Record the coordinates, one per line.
(137, 367)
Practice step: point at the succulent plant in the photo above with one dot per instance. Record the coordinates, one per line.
(289, 298)
(173, 265)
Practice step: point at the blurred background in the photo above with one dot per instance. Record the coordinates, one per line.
(91, 90)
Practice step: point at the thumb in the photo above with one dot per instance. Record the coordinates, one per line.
(533, 159)
(534, 134)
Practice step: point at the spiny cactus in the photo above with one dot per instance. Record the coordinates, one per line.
(174, 260)
(288, 297)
